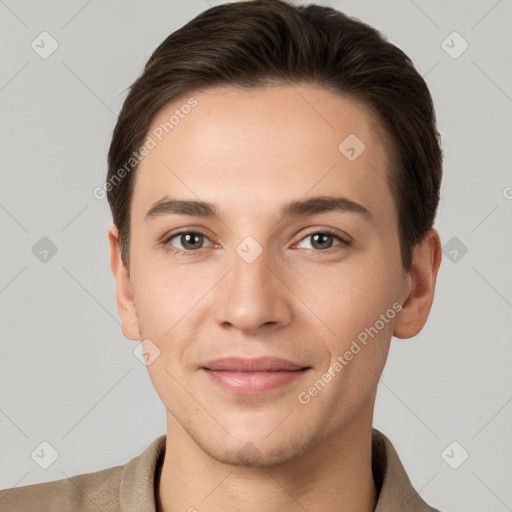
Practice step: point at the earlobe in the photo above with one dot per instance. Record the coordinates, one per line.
(124, 299)
(422, 277)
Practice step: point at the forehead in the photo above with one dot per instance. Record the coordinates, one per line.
(243, 147)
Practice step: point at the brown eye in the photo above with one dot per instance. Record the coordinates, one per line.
(186, 241)
(321, 240)
(324, 240)
(191, 241)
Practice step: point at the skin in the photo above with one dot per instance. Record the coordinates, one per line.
(249, 152)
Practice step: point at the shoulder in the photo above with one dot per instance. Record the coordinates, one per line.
(129, 487)
(89, 491)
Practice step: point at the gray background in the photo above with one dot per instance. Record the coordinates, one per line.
(69, 377)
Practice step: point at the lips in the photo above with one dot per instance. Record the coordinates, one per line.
(260, 364)
(256, 376)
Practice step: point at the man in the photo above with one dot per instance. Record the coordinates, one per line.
(274, 178)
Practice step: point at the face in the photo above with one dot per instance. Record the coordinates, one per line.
(270, 268)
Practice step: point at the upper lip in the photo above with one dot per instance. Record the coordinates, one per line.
(259, 364)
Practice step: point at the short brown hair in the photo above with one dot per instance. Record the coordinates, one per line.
(260, 42)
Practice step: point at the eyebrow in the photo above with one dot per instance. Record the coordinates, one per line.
(300, 208)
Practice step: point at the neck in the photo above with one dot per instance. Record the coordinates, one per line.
(335, 474)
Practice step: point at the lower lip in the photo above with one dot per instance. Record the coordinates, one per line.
(252, 383)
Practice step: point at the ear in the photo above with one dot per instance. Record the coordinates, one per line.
(421, 286)
(125, 304)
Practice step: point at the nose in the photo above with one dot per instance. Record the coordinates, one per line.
(254, 294)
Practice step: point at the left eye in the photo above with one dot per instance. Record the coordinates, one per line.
(322, 240)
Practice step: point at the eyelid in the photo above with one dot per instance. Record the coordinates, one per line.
(342, 235)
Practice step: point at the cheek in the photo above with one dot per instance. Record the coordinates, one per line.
(348, 298)
(165, 295)
(169, 308)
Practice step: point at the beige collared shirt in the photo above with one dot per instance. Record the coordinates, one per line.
(131, 488)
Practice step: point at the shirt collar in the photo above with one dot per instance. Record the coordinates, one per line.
(396, 491)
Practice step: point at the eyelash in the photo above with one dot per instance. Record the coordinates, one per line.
(344, 243)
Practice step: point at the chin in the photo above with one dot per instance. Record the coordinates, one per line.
(258, 452)
(250, 456)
